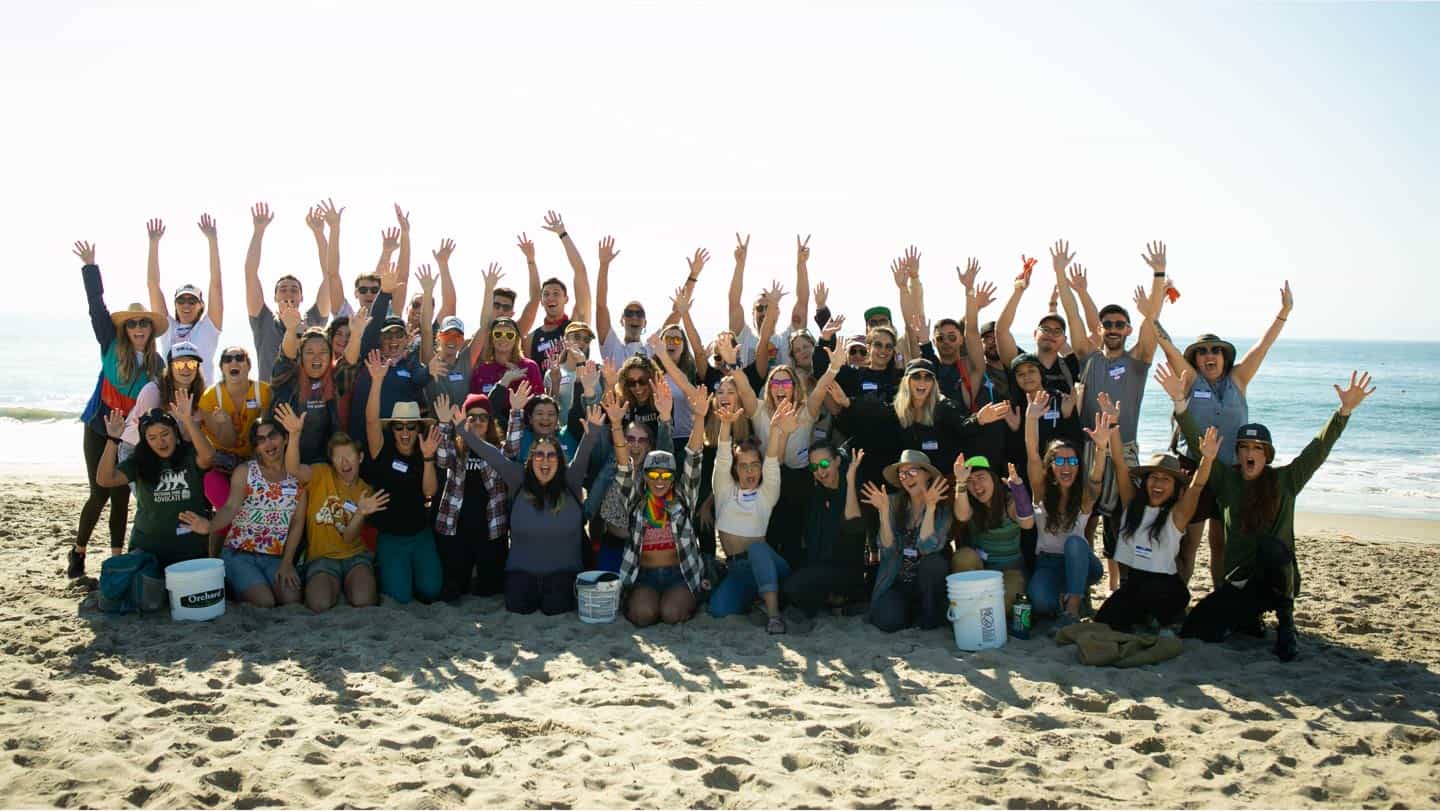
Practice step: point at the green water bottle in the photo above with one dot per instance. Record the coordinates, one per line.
(1020, 617)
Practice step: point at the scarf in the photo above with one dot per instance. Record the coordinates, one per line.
(657, 513)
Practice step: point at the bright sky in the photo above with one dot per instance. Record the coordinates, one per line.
(1261, 142)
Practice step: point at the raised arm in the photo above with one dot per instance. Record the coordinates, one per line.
(184, 413)
(1080, 339)
(481, 337)
(816, 400)
(447, 284)
(293, 424)
(105, 473)
(1104, 437)
(155, 229)
(581, 309)
(1190, 501)
(1038, 403)
(402, 260)
(426, 277)
(315, 221)
(1146, 343)
(374, 436)
(852, 498)
(737, 285)
(527, 315)
(330, 215)
(1309, 460)
(767, 329)
(657, 350)
(603, 325)
(802, 283)
(879, 499)
(215, 307)
(579, 467)
(1247, 366)
(261, 216)
(1004, 341)
(1080, 282)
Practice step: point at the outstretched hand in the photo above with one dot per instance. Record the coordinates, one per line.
(876, 497)
(1354, 394)
(1154, 256)
(207, 226)
(1177, 386)
(86, 252)
(1210, 443)
(1061, 257)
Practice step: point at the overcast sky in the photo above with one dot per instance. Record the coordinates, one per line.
(1261, 142)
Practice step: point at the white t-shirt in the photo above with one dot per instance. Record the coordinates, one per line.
(1140, 551)
(797, 445)
(205, 337)
(1053, 543)
(617, 351)
(748, 341)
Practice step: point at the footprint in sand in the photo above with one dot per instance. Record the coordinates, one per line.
(220, 734)
(721, 778)
(1091, 704)
(1149, 746)
(1140, 712)
(685, 764)
(227, 779)
(1257, 734)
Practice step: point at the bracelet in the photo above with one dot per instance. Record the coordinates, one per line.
(114, 439)
(429, 459)
(693, 280)
(564, 234)
(1159, 274)
(1279, 318)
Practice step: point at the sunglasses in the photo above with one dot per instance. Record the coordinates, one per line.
(503, 335)
(949, 337)
(405, 426)
(674, 340)
(782, 383)
(545, 455)
(367, 290)
(823, 464)
(636, 382)
(921, 376)
(478, 416)
(634, 313)
(636, 440)
(1209, 350)
(881, 347)
(451, 339)
(188, 301)
(234, 357)
(858, 350)
(1116, 324)
(267, 436)
(659, 475)
(1052, 331)
(907, 472)
(876, 322)
(185, 363)
(136, 323)
(1066, 461)
(748, 466)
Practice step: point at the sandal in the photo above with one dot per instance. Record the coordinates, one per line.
(776, 625)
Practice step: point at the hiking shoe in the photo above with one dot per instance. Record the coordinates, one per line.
(76, 564)
(1287, 647)
(776, 625)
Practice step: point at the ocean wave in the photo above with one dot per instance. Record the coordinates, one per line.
(31, 414)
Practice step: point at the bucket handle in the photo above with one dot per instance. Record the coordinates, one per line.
(952, 616)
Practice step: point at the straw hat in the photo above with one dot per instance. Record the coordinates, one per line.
(406, 412)
(1227, 349)
(1167, 463)
(910, 459)
(137, 310)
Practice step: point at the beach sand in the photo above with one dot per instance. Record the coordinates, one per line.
(438, 706)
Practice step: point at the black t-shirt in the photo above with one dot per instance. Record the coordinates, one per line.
(1062, 376)
(541, 339)
(870, 384)
(402, 478)
(474, 512)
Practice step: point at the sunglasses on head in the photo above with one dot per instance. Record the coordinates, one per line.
(503, 334)
(136, 323)
(154, 416)
(636, 382)
(659, 475)
(1210, 350)
(185, 363)
(1066, 461)
(1115, 324)
(234, 357)
(405, 426)
(823, 464)
(367, 289)
(633, 312)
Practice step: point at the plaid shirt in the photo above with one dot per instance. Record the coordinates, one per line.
(687, 489)
(447, 518)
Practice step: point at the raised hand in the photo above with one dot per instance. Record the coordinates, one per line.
(786, 418)
(330, 212)
(993, 413)
(967, 276)
(1287, 301)
(1109, 406)
(664, 400)
(821, 296)
(837, 393)
(594, 417)
(855, 459)
(726, 414)
(911, 262)
(1037, 403)
(725, 349)
(389, 239)
(403, 218)
(430, 442)
(1061, 257)
(697, 264)
(614, 409)
(1177, 386)
(290, 316)
(292, 422)
(961, 472)
(1142, 301)
(182, 409)
(802, 250)
(897, 272)
(526, 247)
(114, 424)
(315, 219)
(1054, 298)
(1079, 277)
(680, 302)
(1154, 256)
(1012, 418)
(832, 326)
(937, 491)
(437, 366)
(155, 229)
(426, 277)
(1076, 400)
(699, 400)
(984, 295)
(876, 497)
(1101, 433)
(607, 250)
(1354, 394)
(610, 370)
(520, 396)
(742, 248)
(372, 503)
(376, 366)
(444, 409)
(1210, 443)
(359, 320)
(442, 254)
(1027, 266)
(553, 223)
(589, 375)
(1014, 478)
(261, 215)
(389, 277)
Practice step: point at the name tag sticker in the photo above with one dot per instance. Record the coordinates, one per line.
(982, 553)
(746, 498)
(457, 376)
(485, 389)
(817, 435)
(400, 466)
(869, 386)
(350, 507)
(1052, 415)
(929, 445)
(1200, 395)
(402, 372)
(288, 490)
(252, 403)
(1142, 551)
(911, 552)
(181, 529)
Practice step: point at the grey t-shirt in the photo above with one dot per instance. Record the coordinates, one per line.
(268, 332)
(1123, 378)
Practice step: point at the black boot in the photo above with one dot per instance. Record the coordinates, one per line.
(76, 566)
(1286, 645)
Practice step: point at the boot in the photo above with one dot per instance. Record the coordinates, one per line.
(1286, 645)
(75, 567)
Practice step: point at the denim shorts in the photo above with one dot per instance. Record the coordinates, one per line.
(661, 578)
(338, 568)
(246, 570)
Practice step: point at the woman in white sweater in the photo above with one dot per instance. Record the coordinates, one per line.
(746, 491)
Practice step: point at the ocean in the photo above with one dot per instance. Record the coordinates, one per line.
(1386, 464)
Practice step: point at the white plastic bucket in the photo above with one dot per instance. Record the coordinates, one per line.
(197, 589)
(598, 602)
(977, 609)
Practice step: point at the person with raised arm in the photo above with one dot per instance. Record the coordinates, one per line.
(1218, 398)
(834, 570)
(230, 406)
(746, 492)
(546, 518)
(1257, 501)
(533, 417)
(914, 532)
(472, 520)
(182, 379)
(1155, 517)
(265, 507)
(401, 461)
(662, 568)
(1058, 371)
(166, 469)
(337, 502)
(616, 347)
(553, 296)
(305, 379)
(671, 348)
(996, 519)
(1063, 567)
(747, 338)
(128, 363)
(404, 377)
(606, 506)
(194, 321)
(266, 329)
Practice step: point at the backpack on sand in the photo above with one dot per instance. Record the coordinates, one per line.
(131, 583)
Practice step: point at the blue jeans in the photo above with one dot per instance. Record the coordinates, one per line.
(1059, 576)
(759, 572)
(409, 566)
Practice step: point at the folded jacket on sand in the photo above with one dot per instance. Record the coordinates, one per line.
(1099, 645)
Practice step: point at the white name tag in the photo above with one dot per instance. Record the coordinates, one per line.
(1142, 551)
(1052, 415)
(252, 403)
(1200, 395)
(485, 389)
(457, 376)
(288, 490)
(315, 386)
(869, 386)
(1117, 372)
(911, 552)
(929, 445)
(402, 372)
(399, 466)
(350, 507)
(181, 529)
(818, 435)
(747, 496)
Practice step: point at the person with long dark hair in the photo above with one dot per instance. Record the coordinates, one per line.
(996, 519)
(128, 361)
(607, 507)
(834, 572)
(183, 378)
(1257, 500)
(167, 469)
(305, 379)
(472, 522)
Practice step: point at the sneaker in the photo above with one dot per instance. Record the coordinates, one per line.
(76, 567)
(1287, 647)
(776, 625)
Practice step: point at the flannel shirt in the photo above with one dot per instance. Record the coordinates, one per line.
(447, 517)
(692, 565)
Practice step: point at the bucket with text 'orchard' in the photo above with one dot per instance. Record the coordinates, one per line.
(977, 609)
(197, 589)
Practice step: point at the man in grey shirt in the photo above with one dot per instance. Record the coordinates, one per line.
(266, 329)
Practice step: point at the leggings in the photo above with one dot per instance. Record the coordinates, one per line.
(119, 497)
(472, 564)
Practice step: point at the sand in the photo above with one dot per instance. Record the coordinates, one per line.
(438, 706)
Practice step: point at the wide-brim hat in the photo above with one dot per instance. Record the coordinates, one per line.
(408, 411)
(910, 459)
(1162, 463)
(1227, 349)
(137, 310)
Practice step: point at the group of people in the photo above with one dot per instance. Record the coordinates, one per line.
(372, 445)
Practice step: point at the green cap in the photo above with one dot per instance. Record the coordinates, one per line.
(978, 461)
(874, 311)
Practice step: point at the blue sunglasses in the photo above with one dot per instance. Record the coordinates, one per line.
(1063, 461)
